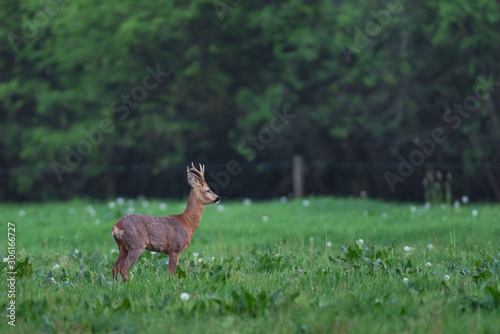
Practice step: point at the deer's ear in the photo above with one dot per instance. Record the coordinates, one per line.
(191, 179)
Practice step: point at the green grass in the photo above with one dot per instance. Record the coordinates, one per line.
(261, 275)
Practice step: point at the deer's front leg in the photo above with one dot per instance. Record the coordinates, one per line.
(173, 261)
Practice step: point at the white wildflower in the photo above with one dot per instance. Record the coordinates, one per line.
(443, 206)
(446, 277)
(130, 210)
(283, 199)
(113, 251)
(56, 266)
(427, 205)
(361, 241)
(456, 205)
(200, 260)
(145, 204)
(405, 280)
(162, 206)
(195, 254)
(22, 213)
(111, 205)
(465, 199)
(220, 207)
(408, 248)
(153, 253)
(247, 201)
(428, 264)
(5, 259)
(76, 251)
(413, 208)
(184, 296)
(306, 203)
(212, 258)
(328, 244)
(474, 213)
(97, 221)
(120, 200)
(265, 218)
(363, 194)
(430, 246)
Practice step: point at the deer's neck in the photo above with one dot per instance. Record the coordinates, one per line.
(192, 214)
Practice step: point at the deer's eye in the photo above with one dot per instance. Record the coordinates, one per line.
(208, 190)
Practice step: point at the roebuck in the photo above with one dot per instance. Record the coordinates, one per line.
(167, 234)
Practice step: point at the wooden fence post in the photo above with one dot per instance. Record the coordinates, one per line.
(298, 176)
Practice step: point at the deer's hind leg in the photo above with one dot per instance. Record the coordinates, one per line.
(122, 255)
(132, 256)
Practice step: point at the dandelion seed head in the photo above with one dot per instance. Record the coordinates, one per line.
(430, 246)
(247, 201)
(446, 277)
(465, 199)
(306, 203)
(405, 280)
(195, 254)
(475, 213)
(22, 213)
(111, 205)
(5, 259)
(56, 266)
(328, 244)
(283, 199)
(120, 200)
(428, 264)
(162, 206)
(113, 251)
(184, 296)
(413, 208)
(265, 218)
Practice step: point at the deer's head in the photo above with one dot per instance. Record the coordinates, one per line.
(196, 179)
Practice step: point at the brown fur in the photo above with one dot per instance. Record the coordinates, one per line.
(167, 234)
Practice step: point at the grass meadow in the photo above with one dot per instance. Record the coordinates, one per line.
(299, 266)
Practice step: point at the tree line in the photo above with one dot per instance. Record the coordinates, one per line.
(111, 99)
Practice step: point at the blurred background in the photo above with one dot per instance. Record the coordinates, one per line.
(390, 99)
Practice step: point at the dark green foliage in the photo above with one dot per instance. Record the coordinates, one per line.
(362, 96)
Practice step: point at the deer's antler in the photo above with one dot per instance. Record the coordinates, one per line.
(200, 174)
